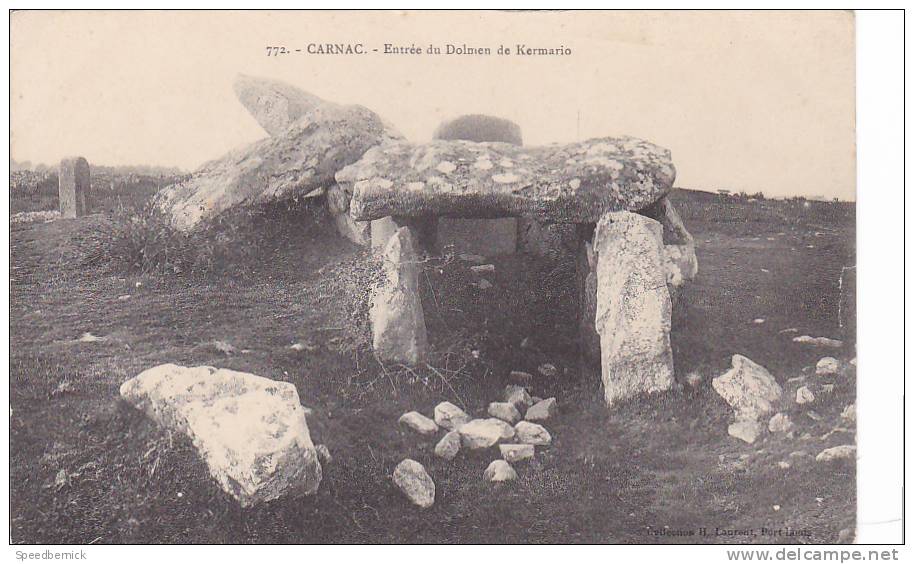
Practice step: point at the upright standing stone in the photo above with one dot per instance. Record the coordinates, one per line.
(633, 306)
(487, 237)
(73, 187)
(397, 320)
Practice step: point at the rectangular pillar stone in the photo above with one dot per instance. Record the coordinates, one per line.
(486, 237)
(633, 313)
(73, 187)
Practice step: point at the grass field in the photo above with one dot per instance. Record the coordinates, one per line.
(85, 468)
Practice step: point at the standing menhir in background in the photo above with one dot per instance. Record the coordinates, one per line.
(73, 179)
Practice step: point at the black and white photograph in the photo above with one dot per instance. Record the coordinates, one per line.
(426, 277)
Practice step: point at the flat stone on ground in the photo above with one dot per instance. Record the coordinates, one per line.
(516, 453)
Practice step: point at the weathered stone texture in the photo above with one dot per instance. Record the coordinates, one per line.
(250, 431)
(633, 306)
(572, 183)
(397, 319)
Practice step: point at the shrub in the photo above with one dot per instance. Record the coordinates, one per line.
(142, 239)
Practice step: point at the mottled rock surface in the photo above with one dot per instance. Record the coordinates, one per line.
(484, 433)
(748, 388)
(745, 430)
(542, 410)
(250, 431)
(504, 411)
(299, 163)
(633, 307)
(418, 423)
(572, 183)
(516, 453)
(499, 471)
(449, 416)
(415, 483)
(449, 446)
(532, 433)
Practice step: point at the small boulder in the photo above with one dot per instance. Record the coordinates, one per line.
(850, 412)
(548, 370)
(419, 423)
(518, 396)
(504, 411)
(805, 395)
(516, 453)
(847, 536)
(449, 416)
(323, 454)
(449, 445)
(818, 341)
(837, 453)
(748, 388)
(827, 366)
(499, 471)
(780, 423)
(745, 430)
(484, 433)
(532, 433)
(415, 483)
(542, 410)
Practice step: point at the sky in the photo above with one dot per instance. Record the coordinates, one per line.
(746, 101)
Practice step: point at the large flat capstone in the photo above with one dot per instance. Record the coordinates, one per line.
(250, 431)
(573, 183)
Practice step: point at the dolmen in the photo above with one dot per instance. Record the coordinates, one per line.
(633, 250)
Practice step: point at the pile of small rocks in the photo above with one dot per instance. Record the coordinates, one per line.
(516, 437)
(753, 394)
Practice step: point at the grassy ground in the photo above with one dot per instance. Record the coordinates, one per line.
(86, 468)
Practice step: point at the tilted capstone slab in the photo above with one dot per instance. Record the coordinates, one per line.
(633, 309)
(298, 161)
(574, 183)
